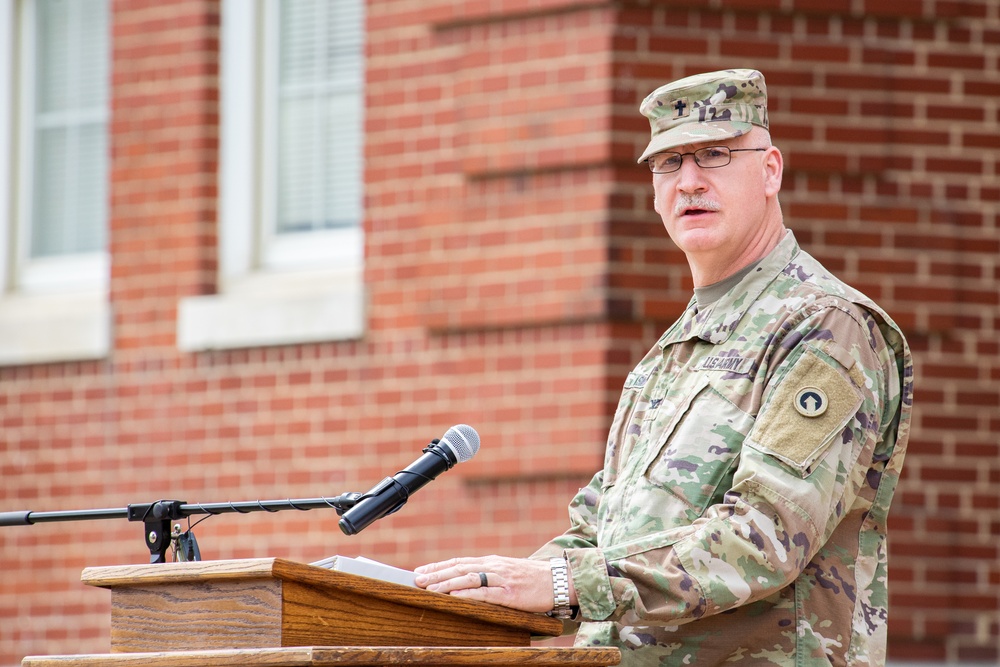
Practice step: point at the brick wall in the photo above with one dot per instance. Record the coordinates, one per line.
(515, 272)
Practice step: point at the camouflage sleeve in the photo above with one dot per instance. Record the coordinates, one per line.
(582, 533)
(799, 472)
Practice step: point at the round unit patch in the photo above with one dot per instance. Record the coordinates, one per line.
(811, 401)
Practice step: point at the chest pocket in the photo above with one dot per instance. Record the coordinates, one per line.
(626, 425)
(693, 463)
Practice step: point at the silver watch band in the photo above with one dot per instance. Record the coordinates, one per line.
(560, 589)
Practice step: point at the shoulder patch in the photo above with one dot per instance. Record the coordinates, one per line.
(811, 405)
(811, 401)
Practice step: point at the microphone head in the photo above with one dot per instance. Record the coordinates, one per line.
(462, 440)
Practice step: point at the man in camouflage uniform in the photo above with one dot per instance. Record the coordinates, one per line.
(740, 517)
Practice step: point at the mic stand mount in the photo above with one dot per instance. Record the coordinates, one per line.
(156, 518)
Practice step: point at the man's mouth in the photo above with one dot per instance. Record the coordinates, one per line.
(694, 206)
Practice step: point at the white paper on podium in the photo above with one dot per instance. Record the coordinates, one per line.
(366, 567)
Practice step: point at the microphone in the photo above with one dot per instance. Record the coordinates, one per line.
(459, 444)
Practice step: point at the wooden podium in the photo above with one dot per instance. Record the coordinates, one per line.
(275, 612)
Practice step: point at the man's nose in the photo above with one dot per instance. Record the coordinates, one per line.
(690, 177)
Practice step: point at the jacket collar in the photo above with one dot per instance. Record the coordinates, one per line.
(716, 323)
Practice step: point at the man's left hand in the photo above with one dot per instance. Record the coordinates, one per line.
(511, 582)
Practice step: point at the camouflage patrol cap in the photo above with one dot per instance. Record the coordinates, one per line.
(703, 107)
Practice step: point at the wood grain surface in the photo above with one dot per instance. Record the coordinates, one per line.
(315, 656)
(271, 602)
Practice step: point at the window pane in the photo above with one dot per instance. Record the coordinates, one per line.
(70, 209)
(69, 198)
(320, 115)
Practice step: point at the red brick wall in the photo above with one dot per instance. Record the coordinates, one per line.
(515, 272)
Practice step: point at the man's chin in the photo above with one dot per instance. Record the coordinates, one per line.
(696, 235)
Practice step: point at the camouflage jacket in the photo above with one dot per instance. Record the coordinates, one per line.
(740, 517)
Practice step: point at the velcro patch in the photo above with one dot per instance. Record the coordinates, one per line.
(636, 380)
(799, 437)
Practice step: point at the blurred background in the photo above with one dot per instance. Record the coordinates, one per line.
(262, 249)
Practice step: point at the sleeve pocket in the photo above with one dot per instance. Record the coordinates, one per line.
(809, 408)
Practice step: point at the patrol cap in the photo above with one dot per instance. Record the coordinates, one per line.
(703, 107)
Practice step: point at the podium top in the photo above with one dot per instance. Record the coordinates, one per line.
(316, 656)
(285, 570)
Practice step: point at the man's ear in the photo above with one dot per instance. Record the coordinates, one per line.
(774, 165)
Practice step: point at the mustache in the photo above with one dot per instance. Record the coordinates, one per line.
(685, 202)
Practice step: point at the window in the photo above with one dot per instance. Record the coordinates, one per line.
(54, 64)
(291, 172)
(314, 126)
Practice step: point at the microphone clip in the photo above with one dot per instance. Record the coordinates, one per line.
(444, 453)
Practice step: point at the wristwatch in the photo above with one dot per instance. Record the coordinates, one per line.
(560, 589)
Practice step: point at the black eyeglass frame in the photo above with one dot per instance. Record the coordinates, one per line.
(694, 154)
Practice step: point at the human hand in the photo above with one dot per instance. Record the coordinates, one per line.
(518, 583)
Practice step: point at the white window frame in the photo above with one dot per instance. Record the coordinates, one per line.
(51, 309)
(302, 290)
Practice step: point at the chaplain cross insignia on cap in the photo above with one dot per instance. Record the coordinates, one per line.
(681, 106)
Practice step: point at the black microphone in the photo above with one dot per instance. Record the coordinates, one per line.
(459, 444)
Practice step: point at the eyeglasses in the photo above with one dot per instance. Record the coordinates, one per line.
(710, 157)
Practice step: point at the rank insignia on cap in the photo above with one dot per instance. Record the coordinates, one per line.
(811, 402)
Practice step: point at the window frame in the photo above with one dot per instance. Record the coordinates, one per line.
(316, 292)
(340, 247)
(55, 308)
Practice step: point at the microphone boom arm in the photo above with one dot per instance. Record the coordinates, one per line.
(357, 510)
(157, 516)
